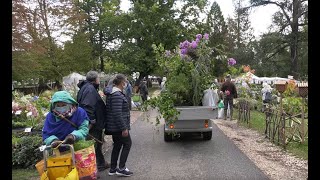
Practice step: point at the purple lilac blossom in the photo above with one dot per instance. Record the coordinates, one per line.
(231, 61)
(181, 45)
(206, 36)
(194, 44)
(185, 44)
(199, 36)
(184, 51)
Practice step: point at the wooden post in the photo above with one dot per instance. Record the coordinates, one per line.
(283, 121)
(303, 92)
(302, 116)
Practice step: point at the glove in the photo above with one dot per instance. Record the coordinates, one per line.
(55, 143)
(69, 139)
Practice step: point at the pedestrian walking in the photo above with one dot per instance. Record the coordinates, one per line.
(229, 92)
(128, 92)
(266, 95)
(118, 125)
(90, 100)
(143, 89)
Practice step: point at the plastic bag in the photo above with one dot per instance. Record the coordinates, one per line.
(220, 113)
(133, 104)
(221, 105)
(86, 163)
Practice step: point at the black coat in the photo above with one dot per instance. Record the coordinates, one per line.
(230, 87)
(143, 89)
(118, 113)
(90, 100)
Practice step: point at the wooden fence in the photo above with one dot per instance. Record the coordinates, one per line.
(244, 111)
(282, 128)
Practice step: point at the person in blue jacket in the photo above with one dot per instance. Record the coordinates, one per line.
(56, 129)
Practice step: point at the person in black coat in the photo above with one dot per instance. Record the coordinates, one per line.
(143, 89)
(90, 100)
(118, 125)
(229, 92)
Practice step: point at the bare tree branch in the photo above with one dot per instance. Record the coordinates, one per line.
(278, 48)
(262, 3)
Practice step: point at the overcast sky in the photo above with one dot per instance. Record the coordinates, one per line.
(261, 17)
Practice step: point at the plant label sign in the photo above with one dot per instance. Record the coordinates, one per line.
(28, 130)
(42, 147)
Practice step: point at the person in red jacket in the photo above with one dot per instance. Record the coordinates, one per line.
(229, 91)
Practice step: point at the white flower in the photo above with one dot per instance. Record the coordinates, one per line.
(29, 114)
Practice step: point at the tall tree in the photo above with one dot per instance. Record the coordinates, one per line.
(292, 14)
(77, 54)
(272, 55)
(216, 26)
(103, 18)
(34, 24)
(147, 22)
(240, 34)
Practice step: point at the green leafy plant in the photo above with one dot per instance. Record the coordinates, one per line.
(164, 103)
(17, 124)
(25, 151)
(82, 144)
(189, 71)
(293, 105)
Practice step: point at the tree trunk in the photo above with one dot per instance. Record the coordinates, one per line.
(294, 41)
(101, 51)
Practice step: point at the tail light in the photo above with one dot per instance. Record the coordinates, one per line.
(206, 123)
(171, 126)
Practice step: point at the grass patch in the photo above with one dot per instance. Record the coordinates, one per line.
(300, 150)
(257, 122)
(25, 174)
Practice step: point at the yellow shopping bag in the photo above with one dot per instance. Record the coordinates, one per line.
(59, 166)
(85, 163)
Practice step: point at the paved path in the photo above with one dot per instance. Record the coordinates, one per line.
(151, 158)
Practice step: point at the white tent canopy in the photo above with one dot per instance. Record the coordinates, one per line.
(253, 79)
(72, 79)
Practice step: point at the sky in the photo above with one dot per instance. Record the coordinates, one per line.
(260, 17)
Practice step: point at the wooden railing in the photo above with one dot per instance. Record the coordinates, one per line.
(282, 128)
(244, 111)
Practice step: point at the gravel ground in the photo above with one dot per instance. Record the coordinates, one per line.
(272, 160)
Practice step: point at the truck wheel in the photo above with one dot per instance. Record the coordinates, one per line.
(207, 135)
(167, 136)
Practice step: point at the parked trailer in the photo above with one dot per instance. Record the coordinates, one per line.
(193, 119)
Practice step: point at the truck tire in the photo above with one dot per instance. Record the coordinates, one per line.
(207, 135)
(167, 136)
